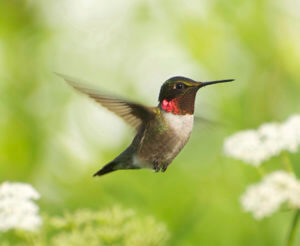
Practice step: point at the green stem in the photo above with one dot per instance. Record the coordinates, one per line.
(261, 171)
(292, 231)
(287, 163)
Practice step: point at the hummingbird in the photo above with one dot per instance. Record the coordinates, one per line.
(161, 131)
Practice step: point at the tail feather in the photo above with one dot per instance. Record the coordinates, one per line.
(108, 168)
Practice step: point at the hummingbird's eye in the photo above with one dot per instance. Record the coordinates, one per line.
(179, 86)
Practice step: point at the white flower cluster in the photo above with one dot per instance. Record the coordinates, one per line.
(257, 146)
(266, 197)
(17, 210)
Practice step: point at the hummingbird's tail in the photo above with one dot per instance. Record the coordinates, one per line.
(121, 162)
(108, 168)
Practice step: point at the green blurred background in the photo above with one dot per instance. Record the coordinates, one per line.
(55, 138)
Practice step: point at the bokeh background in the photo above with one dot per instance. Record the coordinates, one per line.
(55, 138)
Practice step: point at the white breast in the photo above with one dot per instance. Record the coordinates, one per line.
(181, 124)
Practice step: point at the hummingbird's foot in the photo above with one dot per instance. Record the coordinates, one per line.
(164, 168)
(156, 166)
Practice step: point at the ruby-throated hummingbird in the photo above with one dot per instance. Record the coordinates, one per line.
(162, 131)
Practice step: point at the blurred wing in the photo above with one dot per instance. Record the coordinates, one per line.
(201, 121)
(204, 120)
(132, 113)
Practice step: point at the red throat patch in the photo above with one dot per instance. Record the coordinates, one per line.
(171, 106)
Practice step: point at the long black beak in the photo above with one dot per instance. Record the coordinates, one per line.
(214, 82)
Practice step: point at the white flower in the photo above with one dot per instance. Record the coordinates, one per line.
(270, 139)
(17, 210)
(18, 190)
(291, 133)
(246, 146)
(264, 198)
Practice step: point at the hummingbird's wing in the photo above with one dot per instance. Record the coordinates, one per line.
(203, 120)
(132, 113)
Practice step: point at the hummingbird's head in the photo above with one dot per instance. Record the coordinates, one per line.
(177, 94)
